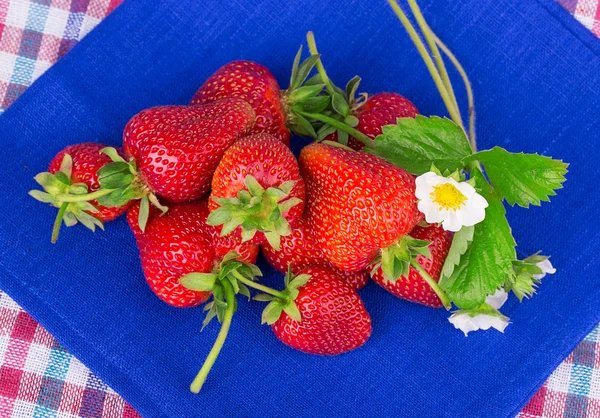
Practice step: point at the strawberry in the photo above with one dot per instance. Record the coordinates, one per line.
(257, 191)
(180, 242)
(299, 251)
(375, 112)
(185, 261)
(277, 111)
(357, 204)
(73, 172)
(413, 287)
(319, 313)
(173, 152)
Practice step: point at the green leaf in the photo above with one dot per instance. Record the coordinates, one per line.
(304, 70)
(295, 67)
(303, 93)
(352, 87)
(416, 144)
(293, 312)
(340, 105)
(299, 281)
(460, 243)
(522, 179)
(201, 282)
(66, 165)
(42, 196)
(272, 312)
(487, 262)
(143, 213)
(303, 126)
(113, 154)
(315, 104)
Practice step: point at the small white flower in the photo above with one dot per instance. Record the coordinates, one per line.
(446, 201)
(466, 323)
(546, 267)
(498, 299)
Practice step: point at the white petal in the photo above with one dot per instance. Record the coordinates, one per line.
(547, 268)
(497, 299)
(478, 200)
(424, 185)
(463, 323)
(471, 215)
(467, 324)
(465, 188)
(486, 322)
(431, 211)
(451, 221)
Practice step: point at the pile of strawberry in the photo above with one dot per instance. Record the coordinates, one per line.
(208, 185)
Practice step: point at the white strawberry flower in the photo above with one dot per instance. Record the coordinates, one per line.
(489, 317)
(546, 267)
(449, 202)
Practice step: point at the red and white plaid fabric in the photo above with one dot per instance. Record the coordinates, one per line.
(39, 378)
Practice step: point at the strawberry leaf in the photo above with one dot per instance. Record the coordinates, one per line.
(416, 144)
(460, 243)
(522, 179)
(488, 260)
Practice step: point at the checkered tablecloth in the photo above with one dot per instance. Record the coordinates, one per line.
(39, 378)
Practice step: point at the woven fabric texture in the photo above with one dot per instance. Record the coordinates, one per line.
(38, 377)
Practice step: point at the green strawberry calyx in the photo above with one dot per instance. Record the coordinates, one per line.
(314, 106)
(396, 261)
(59, 186)
(303, 95)
(120, 183)
(527, 276)
(283, 301)
(225, 281)
(256, 210)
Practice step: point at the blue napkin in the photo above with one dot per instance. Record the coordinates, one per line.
(536, 75)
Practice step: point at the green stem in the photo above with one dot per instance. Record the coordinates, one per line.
(430, 38)
(468, 87)
(259, 286)
(58, 222)
(428, 61)
(436, 288)
(83, 197)
(312, 47)
(218, 345)
(368, 142)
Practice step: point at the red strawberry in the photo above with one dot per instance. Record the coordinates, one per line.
(257, 191)
(326, 317)
(357, 204)
(71, 172)
(180, 242)
(300, 251)
(255, 84)
(377, 111)
(173, 152)
(276, 110)
(414, 287)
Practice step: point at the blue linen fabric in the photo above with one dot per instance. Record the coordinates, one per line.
(536, 77)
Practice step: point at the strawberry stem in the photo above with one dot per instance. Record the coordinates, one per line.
(436, 288)
(259, 286)
(83, 197)
(341, 126)
(218, 345)
(312, 47)
(430, 38)
(58, 222)
(468, 87)
(412, 33)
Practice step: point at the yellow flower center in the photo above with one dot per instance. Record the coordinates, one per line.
(448, 196)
